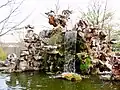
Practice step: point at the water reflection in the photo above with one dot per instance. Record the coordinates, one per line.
(40, 81)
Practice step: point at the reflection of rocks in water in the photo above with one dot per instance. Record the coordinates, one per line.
(17, 81)
(27, 80)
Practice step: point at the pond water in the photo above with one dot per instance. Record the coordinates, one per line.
(40, 81)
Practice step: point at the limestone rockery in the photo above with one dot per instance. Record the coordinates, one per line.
(83, 49)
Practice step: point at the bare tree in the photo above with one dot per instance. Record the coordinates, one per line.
(98, 13)
(6, 23)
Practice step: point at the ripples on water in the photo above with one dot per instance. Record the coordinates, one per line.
(40, 81)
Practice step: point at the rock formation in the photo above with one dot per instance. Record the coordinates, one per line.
(82, 49)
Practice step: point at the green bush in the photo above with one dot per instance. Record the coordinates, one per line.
(57, 38)
(3, 55)
(85, 61)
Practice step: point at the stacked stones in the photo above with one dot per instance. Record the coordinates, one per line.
(12, 62)
(38, 54)
(30, 57)
(95, 40)
(96, 45)
(99, 48)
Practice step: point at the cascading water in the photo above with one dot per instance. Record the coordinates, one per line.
(70, 51)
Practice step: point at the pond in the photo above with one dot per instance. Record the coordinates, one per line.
(41, 81)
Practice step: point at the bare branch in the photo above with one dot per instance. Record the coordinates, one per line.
(5, 4)
(5, 21)
(3, 26)
(104, 14)
(57, 7)
(12, 12)
(14, 27)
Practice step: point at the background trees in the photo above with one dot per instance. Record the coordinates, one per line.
(98, 14)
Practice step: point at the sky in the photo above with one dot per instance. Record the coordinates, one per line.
(38, 18)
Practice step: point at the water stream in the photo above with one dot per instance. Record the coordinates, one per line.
(70, 50)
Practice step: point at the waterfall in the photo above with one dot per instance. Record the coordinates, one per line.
(70, 50)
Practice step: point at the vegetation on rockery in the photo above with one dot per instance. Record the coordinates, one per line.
(85, 62)
(116, 47)
(55, 39)
(116, 40)
(3, 55)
